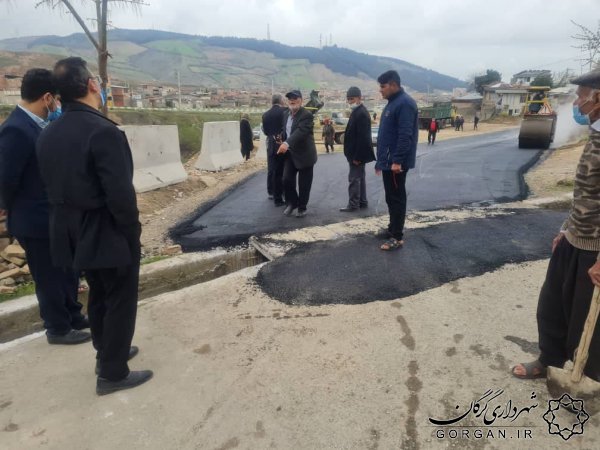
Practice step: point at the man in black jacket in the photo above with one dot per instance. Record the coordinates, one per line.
(358, 149)
(26, 201)
(272, 125)
(87, 167)
(299, 145)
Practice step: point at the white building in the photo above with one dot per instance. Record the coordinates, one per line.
(525, 77)
(512, 100)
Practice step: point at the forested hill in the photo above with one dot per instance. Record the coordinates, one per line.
(232, 62)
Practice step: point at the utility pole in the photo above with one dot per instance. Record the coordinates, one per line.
(268, 32)
(321, 40)
(179, 88)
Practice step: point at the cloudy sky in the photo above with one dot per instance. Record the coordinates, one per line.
(454, 37)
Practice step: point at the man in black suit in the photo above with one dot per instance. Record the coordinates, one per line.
(299, 144)
(272, 125)
(358, 149)
(23, 195)
(87, 167)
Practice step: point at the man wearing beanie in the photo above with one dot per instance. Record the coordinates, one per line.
(358, 149)
(396, 151)
(574, 268)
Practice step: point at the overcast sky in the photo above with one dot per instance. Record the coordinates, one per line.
(454, 37)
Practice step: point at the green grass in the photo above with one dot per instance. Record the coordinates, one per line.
(153, 259)
(177, 47)
(21, 291)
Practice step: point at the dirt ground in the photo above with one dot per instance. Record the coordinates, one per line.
(161, 209)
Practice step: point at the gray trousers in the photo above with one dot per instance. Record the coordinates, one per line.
(357, 187)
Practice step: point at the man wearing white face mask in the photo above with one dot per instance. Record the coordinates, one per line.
(358, 149)
(23, 195)
(574, 267)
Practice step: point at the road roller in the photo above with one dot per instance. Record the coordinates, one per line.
(539, 119)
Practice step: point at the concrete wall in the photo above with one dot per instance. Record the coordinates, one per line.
(220, 146)
(156, 156)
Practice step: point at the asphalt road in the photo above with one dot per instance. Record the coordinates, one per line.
(354, 270)
(476, 169)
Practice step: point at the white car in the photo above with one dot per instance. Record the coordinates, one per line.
(374, 133)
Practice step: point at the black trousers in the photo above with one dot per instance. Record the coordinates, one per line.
(275, 165)
(394, 185)
(56, 289)
(357, 186)
(431, 137)
(563, 307)
(297, 199)
(112, 309)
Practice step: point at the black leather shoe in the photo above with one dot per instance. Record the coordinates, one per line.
(133, 350)
(81, 324)
(279, 203)
(73, 337)
(288, 210)
(364, 205)
(135, 378)
(301, 213)
(348, 209)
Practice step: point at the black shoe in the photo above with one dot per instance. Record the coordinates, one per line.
(279, 203)
(301, 213)
(133, 350)
(348, 209)
(135, 378)
(270, 196)
(81, 324)
(289, 210)
(73, 337)
(364, 205)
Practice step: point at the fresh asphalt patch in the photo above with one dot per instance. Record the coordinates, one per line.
(354, 270)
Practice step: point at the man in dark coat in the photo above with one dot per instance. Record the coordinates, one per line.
(358, 149)
(272, 125)
(87, 167)
(396, 151)
(25, 199)
(299, 144)
(246, 138)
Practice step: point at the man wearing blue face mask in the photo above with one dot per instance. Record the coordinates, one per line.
(86, 163)
(23, 196)
(574, 267)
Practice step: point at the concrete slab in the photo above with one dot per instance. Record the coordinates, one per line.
(156, 156)
(236, 369)
(220, 146)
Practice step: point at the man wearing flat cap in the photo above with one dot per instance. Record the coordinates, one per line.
(358, 149)
(299, 145)
(574, 268)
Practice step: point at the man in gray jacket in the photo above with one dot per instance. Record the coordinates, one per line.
(299, 145)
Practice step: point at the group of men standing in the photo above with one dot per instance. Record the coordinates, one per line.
(292, 152)
(66, 184)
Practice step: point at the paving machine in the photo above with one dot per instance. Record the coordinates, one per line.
(539, 119)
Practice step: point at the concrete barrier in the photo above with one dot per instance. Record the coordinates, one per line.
(220, 146)
(261, 153)
(156, 156)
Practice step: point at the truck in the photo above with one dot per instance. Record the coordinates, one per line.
(443, 112)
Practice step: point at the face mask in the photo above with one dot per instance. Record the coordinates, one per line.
(103, 97)
(353, 106)
(53, 115)
(579, 117)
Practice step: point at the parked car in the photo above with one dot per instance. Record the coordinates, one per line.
(256, 133)
(374, 133)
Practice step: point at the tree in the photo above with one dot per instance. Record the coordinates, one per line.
(491, 76)
(543, 80)
(589, 44)
(100, 40)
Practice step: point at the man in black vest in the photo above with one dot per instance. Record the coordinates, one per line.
(299, 145)
(87, 167)
(24, 197)
(358, 149)
(272, 125)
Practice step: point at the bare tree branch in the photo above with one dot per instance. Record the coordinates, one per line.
(590, 43)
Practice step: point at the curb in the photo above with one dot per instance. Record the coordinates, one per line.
(20, 317)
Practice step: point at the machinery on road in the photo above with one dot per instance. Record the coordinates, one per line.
(539, 119)
(442, 112)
